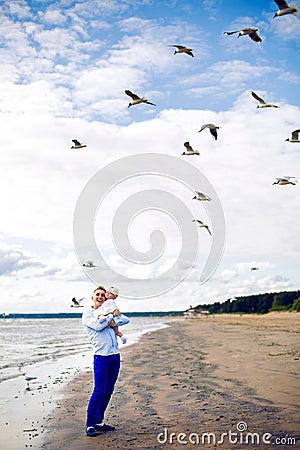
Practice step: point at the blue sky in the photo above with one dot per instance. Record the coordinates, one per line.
(65, 66)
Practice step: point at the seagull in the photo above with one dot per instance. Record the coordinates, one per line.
(201, 197)
(136, 99)
(77, 303)
(284, 9)
(294, 137)
(77, 144)
(212, 128)
(182, 49)
(252, 33)
(189, 150)
(262, 103)
(285, 180)
(28, 379)
(89, 264)
(202, 225)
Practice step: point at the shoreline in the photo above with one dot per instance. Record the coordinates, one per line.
(198, 376)
(26, 408)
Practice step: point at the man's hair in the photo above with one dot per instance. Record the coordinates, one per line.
(100, 287)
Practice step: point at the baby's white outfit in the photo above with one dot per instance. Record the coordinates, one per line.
(108, 307)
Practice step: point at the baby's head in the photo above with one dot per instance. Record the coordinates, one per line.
(112, 293)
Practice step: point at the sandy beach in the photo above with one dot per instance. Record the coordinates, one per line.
(229, 381)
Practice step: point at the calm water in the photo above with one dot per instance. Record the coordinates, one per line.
(26, 342)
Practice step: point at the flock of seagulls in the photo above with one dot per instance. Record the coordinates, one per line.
(252, 32)
(213, 131)
(202, 198)
(284, 9)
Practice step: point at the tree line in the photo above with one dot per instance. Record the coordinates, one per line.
(259, 303)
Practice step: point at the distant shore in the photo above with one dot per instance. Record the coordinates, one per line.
(77, 315)
(205, 379)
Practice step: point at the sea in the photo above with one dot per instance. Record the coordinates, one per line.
(38, 356)
(26, 342)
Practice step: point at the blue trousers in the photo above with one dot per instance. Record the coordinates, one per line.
(106, 371)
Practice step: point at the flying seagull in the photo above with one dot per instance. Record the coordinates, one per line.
(182, 49)
(285, 180)
(284, 9)
(252, 33)
(89, 264)
(77, 144)
(202, 225)
(294, 137)
(201, 197)
(77, 303)
(136, 99)
(212, 128)
(189, 150)
(262, 103)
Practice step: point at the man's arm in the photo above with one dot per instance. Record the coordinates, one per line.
(120, 320)
(89, 320)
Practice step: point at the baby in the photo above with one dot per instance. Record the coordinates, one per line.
(108, 307)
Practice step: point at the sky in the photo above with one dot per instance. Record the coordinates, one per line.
(125, 201)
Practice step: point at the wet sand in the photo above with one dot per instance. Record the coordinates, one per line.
(26, 407)
(214, 375)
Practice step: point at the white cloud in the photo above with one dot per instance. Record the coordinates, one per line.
(19, 8)
(232, 75)
(286, 27)
(90, 8)
(47, 143)
(106, 82)
(15, 260)
(54, 16)
(63, 76)
(55, 41)
(227, 275)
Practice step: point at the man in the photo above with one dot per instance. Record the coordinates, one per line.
(106, 360)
